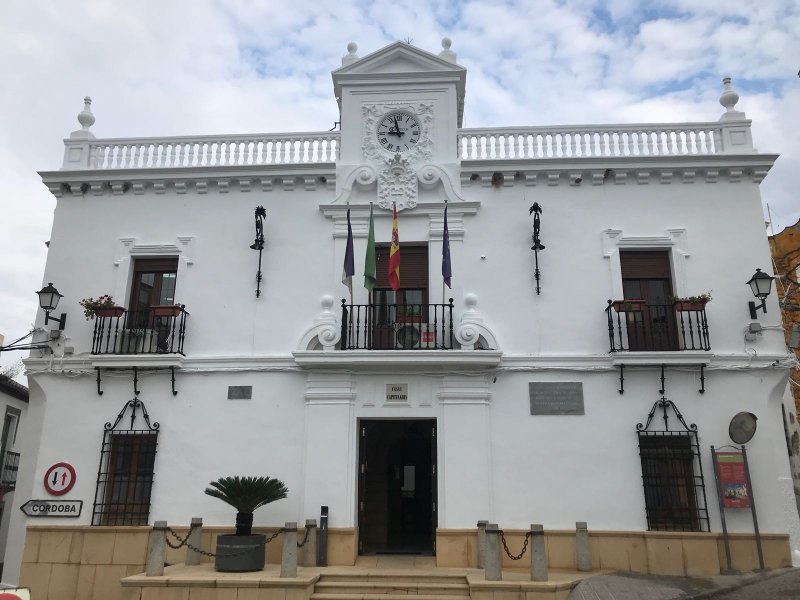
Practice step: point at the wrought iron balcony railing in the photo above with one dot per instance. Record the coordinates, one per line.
(638, 327)
(10, 469)
(397, 326)
(157, 330)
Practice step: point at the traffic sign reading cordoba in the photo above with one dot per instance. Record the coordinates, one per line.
(52, 508)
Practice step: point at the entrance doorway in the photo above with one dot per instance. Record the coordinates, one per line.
(397, 486)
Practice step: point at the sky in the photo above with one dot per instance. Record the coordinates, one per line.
(175, 67)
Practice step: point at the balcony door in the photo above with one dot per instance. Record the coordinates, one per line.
(153, 283)
(397, 316)
(646, 275)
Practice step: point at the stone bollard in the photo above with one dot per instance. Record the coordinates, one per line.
(481, 542)
(289, 556)
(157, 550)
(310, 549)
(491, 560)
(195, 539)
(538, 554)
(583, 555)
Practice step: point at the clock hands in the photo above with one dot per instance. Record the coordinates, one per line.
(397, 131)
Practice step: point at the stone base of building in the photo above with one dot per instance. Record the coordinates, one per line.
(89, 562)
(653, 552)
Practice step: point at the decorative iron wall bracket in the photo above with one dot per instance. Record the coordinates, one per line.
(536, 210)
(136, 389)
(259, 244)
(663, 379)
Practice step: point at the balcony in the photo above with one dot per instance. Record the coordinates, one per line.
(397, 326)
(638, 327)
(157, 330)
(10, 469)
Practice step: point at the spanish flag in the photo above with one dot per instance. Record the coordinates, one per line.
(394, 255)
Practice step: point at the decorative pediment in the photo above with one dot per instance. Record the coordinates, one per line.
(401, 61)
(398, 58)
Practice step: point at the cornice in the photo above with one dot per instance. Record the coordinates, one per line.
(399, 360)
(432, 209)
(265, 178)
(639, 170)
(375, 360)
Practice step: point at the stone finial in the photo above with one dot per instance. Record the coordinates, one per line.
(446, 53)
(351, 55)
(728, 99)
(86, 119)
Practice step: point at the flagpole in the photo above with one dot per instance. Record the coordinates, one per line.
(443, 242)
(351, 280)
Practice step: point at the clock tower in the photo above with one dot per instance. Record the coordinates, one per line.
(400, 108)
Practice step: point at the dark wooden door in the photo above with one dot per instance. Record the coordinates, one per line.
(397, 486)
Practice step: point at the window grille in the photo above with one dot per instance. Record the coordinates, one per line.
(125, 475)
(672, 474)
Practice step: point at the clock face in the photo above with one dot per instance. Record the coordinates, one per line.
(398, 131)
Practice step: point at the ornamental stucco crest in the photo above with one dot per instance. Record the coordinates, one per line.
(397, 184)
(397, 174)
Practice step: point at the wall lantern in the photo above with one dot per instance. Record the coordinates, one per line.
(259, 244)
(48, 300)
(761, 284)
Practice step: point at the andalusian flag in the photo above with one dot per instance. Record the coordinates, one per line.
(349, 269)
(369, 261)
(394, 254)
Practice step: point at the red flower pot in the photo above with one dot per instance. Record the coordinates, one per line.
(113, 311)
(628, 305)
(686, 305)
(166, 310)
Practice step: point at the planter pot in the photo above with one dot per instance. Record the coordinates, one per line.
(165, 310)
(628, 305)
(685, 305)
(240, 553)
(114, 311)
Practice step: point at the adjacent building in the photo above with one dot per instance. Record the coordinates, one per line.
(13, 403)
(583, 380)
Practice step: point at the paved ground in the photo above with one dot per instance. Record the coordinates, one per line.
(780, 585)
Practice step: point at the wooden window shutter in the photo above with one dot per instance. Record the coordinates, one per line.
(413, 266)
(645, 265)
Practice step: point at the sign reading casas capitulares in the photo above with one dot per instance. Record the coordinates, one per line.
(52, 508)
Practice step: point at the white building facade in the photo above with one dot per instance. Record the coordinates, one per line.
(408, 416)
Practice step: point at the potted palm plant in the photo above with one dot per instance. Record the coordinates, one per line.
(244, 551)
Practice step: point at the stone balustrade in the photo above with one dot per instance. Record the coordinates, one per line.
(670, 139)
(521, 143)
(206, 151)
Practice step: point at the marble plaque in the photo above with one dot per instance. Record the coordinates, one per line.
(556, 398)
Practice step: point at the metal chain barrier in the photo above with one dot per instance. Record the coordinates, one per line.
(305, 538)
(524, 545)
(185, 542)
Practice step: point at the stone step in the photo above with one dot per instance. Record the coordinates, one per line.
(392, 586)
(395, 577)
(395, 596)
